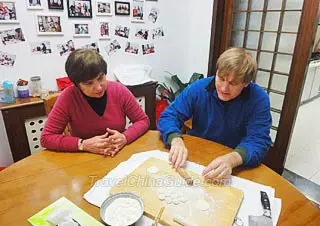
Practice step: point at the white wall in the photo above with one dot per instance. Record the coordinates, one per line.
(183, 50)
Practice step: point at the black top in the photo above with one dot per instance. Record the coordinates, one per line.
(97, 104)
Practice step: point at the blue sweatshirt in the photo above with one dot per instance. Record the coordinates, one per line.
(241, 123)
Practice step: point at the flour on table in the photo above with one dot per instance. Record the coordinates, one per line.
(168, 200)
(153, 170)
(123, 211)
(183, 199)
(174, 195)
(202, 205)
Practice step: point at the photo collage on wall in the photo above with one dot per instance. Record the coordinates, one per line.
(105, 12)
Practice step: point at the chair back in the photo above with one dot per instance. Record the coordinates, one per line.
(187, 126)
(49, 102)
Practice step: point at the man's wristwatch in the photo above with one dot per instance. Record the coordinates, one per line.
(80, 145)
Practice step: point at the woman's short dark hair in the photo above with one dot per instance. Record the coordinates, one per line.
(84, 64)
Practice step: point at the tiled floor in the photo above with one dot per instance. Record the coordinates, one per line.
(304, 151)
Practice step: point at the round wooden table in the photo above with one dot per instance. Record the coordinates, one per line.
(33, 183)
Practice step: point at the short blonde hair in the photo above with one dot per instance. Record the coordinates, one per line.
(239, 61)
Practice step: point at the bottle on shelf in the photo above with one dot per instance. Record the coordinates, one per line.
(8, 92)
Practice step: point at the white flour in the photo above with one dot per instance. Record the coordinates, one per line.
(123, 211)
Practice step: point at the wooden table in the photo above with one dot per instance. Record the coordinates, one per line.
(35, 182)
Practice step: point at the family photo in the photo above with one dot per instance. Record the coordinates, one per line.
(104, 8)
(7, 59)
(113, 47)
(132, 48)
(147, 49)
(36, 4)
(137, 11)
(122, 31)
(12, 36)
(122, 8)
(55, 4)
(66, 48)
(49, 24)
(7, 11)
(81, 29)
(153, 15)
(80, 8)
(40, 47)
(142, 33)
(104, 30)
(157, 32)
(93, 45)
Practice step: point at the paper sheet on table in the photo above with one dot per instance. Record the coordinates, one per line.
(251, 204)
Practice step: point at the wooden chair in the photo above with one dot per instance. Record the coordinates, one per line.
(187, 126)
(49, 102)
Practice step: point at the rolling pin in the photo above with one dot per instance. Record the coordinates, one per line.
(185, 176)
(179, 219)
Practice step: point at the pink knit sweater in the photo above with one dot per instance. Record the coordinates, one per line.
(71, 107)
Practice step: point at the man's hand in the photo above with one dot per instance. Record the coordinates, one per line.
(221, 167)
(178, 153)
(99, 144)
(118, 141)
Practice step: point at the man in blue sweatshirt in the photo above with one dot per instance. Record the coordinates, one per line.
(227, 108)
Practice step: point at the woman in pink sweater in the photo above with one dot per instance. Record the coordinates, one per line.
(95, 108)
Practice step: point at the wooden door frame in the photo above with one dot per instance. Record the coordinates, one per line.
(220, 40)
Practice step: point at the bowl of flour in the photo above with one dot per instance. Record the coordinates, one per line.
(122, 209)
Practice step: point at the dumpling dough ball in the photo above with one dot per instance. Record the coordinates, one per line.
(183, 198)
(202, 205)
(153, 170)
(176, 201)
(168, 200)
(161, 196)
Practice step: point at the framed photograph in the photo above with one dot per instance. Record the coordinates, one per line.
(55, 4)
(8, 12)
(66, 48)
(79, 8)
(12, 36)
(34, 4)
(137, 11)
(104, 27)
(40, 47)
(122, 31)
(81, 29)
(104, 8)
(48, 24)
(122, 8)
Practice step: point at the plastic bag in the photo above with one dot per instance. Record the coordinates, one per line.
(63, 83)
(134, 74)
